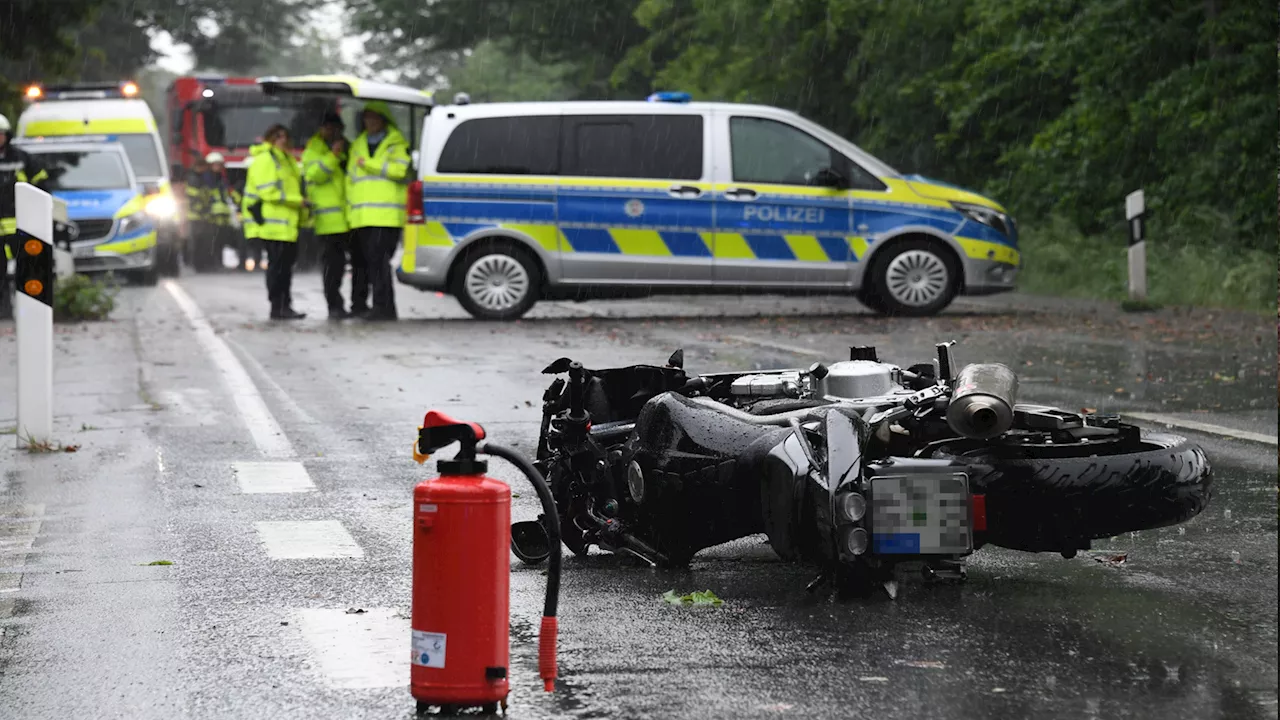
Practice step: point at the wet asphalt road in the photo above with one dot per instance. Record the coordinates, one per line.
(1184, 628)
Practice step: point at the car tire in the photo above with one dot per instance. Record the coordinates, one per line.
(496, 280)
(915, 277)
(146, 277)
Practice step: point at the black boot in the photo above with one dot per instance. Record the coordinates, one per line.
(290, 314)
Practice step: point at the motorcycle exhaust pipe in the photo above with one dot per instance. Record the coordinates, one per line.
(982, 403)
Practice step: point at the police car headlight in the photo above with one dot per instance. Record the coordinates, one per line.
(133, 222)
(162, 208)
(985, 215)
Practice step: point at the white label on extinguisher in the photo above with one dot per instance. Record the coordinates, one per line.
(427, 508)
(428, 649)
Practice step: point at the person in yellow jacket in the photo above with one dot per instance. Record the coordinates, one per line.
(378, 173)
(276, 208)
(325, 182)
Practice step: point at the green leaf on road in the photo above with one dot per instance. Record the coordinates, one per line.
(694, 598)
(157, 562)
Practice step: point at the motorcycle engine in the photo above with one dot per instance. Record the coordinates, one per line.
(859, 379)
(849, 379)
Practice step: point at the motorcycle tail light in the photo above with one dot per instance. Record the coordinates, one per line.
(852, 506)
(855, 540)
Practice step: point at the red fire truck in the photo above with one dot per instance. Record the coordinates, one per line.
(214, 113)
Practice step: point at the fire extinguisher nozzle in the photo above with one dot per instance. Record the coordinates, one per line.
(547, 652)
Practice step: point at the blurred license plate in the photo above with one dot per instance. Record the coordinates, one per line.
(921, 514)
(84, 251)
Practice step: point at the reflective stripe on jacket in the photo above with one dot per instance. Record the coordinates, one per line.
(377, 192)
(325, 186)
(273, 180)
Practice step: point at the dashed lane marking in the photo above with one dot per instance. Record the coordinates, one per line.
(359, 650)
(1202, 427)
(307, 539)
(272, 477)
(263, 428)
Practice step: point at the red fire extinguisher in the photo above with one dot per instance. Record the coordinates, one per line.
(461, 573)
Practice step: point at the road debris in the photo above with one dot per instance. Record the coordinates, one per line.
(705, 597)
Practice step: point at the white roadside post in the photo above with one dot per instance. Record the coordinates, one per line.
(64, 265)
(1135, 208)
(33, 314)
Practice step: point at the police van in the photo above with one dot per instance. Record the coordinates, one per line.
(96, 112)
(515, 202)
(110, 229)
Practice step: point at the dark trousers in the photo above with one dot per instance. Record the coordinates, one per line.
(6, 302)
(378, 245)
(250, 248)
(338, 249)
(280, 258)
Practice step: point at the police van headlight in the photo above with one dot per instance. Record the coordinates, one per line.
(133, 222)
(985, 215)
(162, 207)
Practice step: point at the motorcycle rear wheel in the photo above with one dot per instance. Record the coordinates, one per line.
(1060, 503)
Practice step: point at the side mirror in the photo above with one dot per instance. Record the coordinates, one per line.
(676, 360)
(529, 542)
(829, 177)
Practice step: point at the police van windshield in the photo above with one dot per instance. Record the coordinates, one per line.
(143, 156)
(84, 170)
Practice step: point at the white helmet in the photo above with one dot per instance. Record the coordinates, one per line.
(213, 158)
(4, 124)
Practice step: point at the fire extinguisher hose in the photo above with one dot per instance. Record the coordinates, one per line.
(547, 633)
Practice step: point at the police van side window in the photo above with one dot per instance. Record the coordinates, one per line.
(768, 151)
(503, 146)
(653, 147)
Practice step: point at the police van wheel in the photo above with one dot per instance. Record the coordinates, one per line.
(145, 277)
(497, 281)
(915, 277)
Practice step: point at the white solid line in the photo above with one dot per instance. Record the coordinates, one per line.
(264, 429)
(359, 650)
(306, 539)
(272, 477)
(1202, 427)
(775, 346)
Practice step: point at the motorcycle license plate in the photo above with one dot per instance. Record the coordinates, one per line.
(921, 514)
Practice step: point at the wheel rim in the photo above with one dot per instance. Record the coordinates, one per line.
(497, 282)
(917, 278)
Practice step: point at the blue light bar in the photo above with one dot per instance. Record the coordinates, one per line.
(675, 97)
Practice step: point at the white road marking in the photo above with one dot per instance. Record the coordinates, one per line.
(364, 650)
(307, 539)
(776, 346)
(272, 477)
(264, 429)
(1202, 427)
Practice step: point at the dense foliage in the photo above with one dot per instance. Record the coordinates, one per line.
(1058, 108)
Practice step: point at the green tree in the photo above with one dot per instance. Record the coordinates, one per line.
(495, 72)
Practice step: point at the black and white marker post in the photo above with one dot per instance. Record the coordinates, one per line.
(1135, 209)
(33, 314)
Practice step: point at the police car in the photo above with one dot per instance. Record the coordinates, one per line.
(92, 112)
(519, 201)
(110, 228)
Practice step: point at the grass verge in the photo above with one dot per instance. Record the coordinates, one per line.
(1183, 268)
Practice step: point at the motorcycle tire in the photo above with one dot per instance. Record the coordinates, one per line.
(1059, 504)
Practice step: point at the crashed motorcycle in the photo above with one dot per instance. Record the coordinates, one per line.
(856, 467)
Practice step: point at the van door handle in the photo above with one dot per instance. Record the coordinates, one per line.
(684, 191)
(740, 194)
